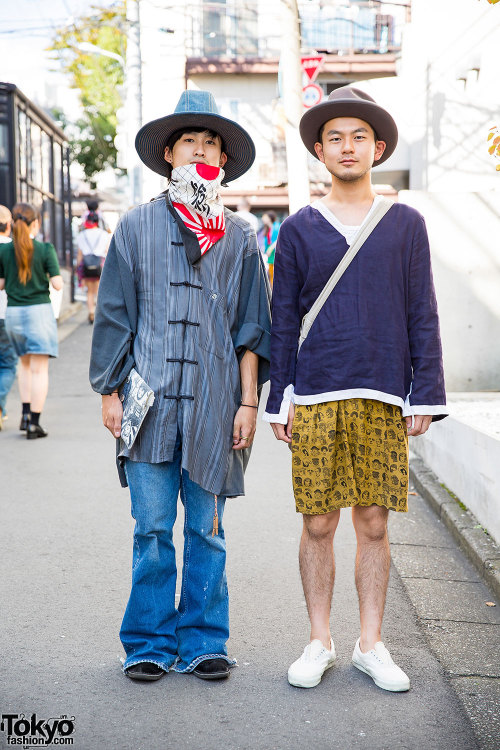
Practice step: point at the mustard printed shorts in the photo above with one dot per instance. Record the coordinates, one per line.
(352, 452)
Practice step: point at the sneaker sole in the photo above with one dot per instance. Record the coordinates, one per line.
(402, 688)
(310, 683)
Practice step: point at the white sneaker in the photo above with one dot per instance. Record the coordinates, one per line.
(307, 671)
(379, 665)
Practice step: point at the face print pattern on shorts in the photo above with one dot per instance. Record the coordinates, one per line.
(351, 452)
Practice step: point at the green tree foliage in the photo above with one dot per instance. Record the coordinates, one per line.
(99, 80)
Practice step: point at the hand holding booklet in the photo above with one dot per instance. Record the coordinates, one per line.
(137, 398)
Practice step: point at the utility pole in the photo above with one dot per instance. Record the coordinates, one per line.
(291, 94)
(133, 99)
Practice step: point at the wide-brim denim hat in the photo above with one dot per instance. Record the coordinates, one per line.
(196, 109)
(347, 101)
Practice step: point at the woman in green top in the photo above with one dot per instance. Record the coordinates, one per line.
(26, 266)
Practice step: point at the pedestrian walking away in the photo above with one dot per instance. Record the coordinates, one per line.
(184, 306)
(243, 210)
(93, 244)
(26, 265)
(366, 374)
(8, 356)
(271, 227)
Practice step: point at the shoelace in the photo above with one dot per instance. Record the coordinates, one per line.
(307, 652)
(383, 656)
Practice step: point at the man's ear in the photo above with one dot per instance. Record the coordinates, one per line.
(222, 160)
(380, 147)
(318, 147)
(167, 155)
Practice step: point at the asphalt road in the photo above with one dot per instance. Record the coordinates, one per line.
(65, 537)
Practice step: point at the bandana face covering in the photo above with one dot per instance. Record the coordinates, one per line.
(194, 191)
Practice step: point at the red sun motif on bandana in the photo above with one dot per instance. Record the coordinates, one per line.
(207, 172)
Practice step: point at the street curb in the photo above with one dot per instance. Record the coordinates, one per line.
(479, 547)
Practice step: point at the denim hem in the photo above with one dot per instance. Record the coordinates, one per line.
(160, 664)
(199, 659)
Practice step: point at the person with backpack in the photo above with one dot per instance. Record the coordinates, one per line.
(93, 244)
(356, 368)
(26, 266)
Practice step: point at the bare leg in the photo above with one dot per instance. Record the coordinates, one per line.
(317, 570)
(24, 378)
(373, 559)
(39, 381)
(92, 287)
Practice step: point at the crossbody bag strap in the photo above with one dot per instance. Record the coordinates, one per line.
(364, 232)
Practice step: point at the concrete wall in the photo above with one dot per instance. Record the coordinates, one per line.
(445, 97)
(464, 232)
(466, 458)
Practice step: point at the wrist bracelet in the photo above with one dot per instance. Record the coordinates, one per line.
(250, 406)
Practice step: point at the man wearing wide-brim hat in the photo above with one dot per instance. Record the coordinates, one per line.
(366, 374)
(184, 299)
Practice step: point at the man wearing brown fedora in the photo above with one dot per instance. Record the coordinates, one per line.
(184, 305)
(366, 373)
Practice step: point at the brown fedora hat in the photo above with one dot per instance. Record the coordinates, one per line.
(350, 102)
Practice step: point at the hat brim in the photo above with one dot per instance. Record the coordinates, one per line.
(380, 120)
(152, 138)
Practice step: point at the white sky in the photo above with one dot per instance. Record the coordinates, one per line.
(26, 28)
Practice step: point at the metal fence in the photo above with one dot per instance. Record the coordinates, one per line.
(222, 28)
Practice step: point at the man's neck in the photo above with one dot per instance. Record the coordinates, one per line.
(350, 201)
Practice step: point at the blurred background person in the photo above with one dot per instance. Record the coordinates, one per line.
(243, 210)
(26, 266)
(93, 208)
(271, 227)
(93, 243)
(8, 356)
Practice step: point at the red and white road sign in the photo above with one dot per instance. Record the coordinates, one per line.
(311, 94)
(311, 66)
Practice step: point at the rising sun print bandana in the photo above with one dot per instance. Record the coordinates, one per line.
(194, 192)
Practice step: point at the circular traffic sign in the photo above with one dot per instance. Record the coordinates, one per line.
(311, 94)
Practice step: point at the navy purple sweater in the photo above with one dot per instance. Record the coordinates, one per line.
(377, 336)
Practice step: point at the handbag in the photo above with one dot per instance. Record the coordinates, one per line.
(362, 235)
(137, 398)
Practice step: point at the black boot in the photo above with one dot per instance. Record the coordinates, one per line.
(34, 431)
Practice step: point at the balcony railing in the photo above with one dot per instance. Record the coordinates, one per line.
(251, 30)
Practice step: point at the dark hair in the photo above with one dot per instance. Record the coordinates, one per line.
(92, 204)
(177, 135)
(320, 134)
(271, 215)
(92, 218)
(23, 215)
(3, 228)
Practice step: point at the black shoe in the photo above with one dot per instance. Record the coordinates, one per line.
(146, 670)
(212, 669)
(25, 420)
(34, 431)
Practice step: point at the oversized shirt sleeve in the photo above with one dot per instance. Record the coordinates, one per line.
(285, 329)
(252, 329)
(115, 323)
(428, 395)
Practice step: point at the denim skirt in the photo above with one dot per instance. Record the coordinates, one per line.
(32, 329)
